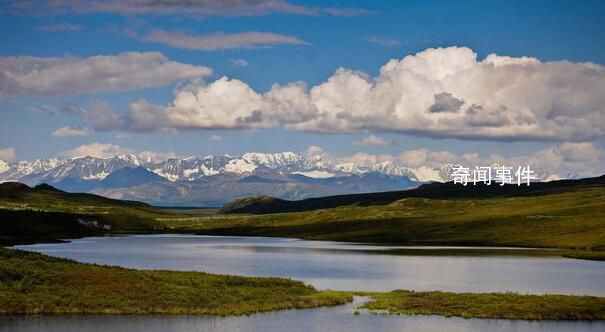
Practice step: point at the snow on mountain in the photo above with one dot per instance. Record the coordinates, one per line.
(90, 168)
(426, 174)
(284, 160)
(195, 168)
(390, 168)
(350, 167)
(316, 174)
(239, 166)
(21, 169)
(190, 168)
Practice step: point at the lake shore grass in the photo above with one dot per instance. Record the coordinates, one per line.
(487, 305)
(32, 283)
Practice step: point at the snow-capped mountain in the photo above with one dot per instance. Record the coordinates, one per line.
(190, 168)
(390, 168)
(196, 168)
(21, 169)
(216, 179)
(54, 170)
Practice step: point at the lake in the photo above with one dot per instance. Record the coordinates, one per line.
(340, 266)
(338, 318)
(325, 265)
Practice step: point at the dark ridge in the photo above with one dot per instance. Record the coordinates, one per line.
(436, 190)
(16, 190)
(47, 187)
(251, 203)
(18, 186)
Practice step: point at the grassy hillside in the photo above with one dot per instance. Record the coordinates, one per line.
(44, 213)
(572, 219)
(568, 215)
(31, 283)
(264, 204)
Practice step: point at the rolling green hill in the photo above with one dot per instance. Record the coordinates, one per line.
(570, 218)
(44, 213)
(264, 204)
(563, 214)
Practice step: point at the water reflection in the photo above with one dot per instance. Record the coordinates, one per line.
(343, 266)
(322, 319)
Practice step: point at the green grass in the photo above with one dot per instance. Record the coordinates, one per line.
(489, 305)
(32, 283)
(571, 220)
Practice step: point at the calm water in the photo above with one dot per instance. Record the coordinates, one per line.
(330, 265)
(322, 319)
(326, 265)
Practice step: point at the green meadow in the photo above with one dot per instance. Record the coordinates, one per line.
(566, 223)
(32, 283)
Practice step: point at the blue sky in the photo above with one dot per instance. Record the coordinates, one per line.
(362, 36)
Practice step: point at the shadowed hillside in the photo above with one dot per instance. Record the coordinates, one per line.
(436, 190)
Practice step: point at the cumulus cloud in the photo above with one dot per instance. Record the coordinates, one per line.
(71, 131)
(382, 41)
(445, 102)
(8, 154)
(442, 93)
(556, 162)
(31, 76)
(60, 27)
(373, 140)
(99, 150)
(315, 150)
(106, 150)
(218, 41)
(202, 8)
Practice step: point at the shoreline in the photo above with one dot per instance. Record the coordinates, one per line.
(33, 283)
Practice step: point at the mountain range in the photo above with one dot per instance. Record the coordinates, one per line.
(216, 179)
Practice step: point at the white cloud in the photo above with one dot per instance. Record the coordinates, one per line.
(239, 62)
(558, 161)
(99, 150)
(315, 150)
(373, 140)
(444, 92)
(105, 150)
(8, 154)
(31, 76)
(216, 138)
(195, 8)
(219, 41)
(382, 41)
(71, 131)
